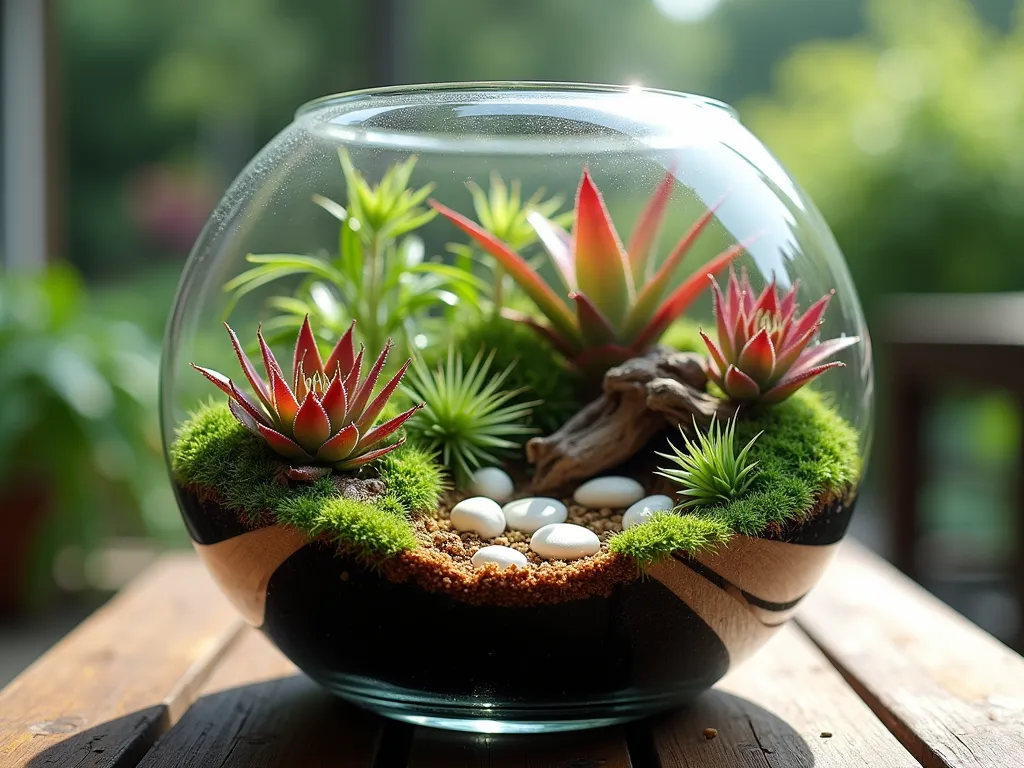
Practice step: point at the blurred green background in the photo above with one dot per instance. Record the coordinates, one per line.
(903, 119)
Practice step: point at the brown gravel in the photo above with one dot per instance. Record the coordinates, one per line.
(443, 563)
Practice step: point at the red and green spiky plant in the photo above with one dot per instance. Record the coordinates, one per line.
(764, 350)
(617, 302)
(325, 419)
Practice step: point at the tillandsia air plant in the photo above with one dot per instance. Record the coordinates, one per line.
(710, 471)
(617, 305)
(380, 276)
(764, 350)
(502, 211)
(325, 419)
(467, 417)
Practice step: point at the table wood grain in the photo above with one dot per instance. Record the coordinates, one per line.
(104, 694)
(878, 673)
(256, 709)
(786, 706)
(953, 694)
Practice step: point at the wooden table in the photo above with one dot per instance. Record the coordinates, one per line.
(876, 673)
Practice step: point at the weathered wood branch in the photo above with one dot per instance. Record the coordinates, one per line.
(641, 397)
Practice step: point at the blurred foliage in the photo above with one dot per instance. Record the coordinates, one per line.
(909, 141)
(78, 427)
(192, 84)
(191, 89)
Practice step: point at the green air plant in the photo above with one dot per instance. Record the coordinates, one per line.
(710, 471)
(502, 211)
(380, 276)
(763, 351)
(617, 304)
(325, 419)
(467, 417)
(536, 367)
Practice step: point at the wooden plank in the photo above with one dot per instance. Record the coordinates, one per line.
(604, 748)
(256, 709)
(104, 694)
(950, 692)
(786, 706)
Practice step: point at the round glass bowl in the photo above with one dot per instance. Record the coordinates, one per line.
(570, 230)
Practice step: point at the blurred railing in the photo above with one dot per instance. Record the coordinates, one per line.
(932, 344)
(29, 229)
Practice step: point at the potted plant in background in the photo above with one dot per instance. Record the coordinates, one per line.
(78, 445)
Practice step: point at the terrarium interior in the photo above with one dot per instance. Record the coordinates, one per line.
(500, 349)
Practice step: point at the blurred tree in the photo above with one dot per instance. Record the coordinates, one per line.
(188, 83)
(572, 40)
(761, 34)
(909, 141)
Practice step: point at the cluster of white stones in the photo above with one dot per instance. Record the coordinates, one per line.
(553, 538)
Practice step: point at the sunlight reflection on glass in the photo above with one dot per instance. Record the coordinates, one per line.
(686, 10)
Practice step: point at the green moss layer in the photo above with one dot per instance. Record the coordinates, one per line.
(806, 451)
(214, 452)
(666, 533)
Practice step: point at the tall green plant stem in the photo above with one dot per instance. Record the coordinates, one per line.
(375, 276)
(498, 296)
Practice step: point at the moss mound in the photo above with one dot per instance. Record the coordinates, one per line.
(213, 451)
(807, 451)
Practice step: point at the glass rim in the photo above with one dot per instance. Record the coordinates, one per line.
(321, 115)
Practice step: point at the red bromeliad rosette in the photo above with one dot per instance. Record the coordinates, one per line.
(326, 417)
(764, 350)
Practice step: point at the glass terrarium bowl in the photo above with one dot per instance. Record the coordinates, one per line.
(541, 254)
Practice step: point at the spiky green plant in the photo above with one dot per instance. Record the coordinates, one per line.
(502, 210)
(467, 417)
(391, 208)
(709, 469)
(504, 213)
(380, 276)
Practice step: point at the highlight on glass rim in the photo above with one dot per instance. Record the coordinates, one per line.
(535, 367)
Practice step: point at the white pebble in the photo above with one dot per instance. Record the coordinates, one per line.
(501, 556)
(527, 515)
(612, 491)
(492, 482)
(564, 541)
(644, 510)
(479, 514)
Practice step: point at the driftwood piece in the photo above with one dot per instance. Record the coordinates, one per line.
(641, 397)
